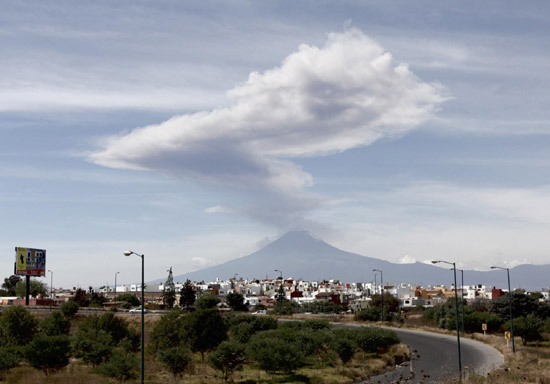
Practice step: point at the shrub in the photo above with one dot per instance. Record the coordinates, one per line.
(166, 333)
(528, 328)
(69, 308)
(204, 330)
(236, 302)
(474, 320)
(132, 300)
(368, 314)
(243, 327)
(207, 302)
(48, 353)
(18, 326)
(93, 346)
(344, 343)
(176, 359)
(121, 366)
(228, 357)
(55, 324)
(274, 354)
(9, 358)
(375, 340)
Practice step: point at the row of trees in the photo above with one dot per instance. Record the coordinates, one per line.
(531, 315)
(16, 286)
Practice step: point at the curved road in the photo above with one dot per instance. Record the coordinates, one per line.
(435, 358)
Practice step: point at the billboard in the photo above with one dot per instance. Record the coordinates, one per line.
(30, 261)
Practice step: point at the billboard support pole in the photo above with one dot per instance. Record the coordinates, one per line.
(27, 289)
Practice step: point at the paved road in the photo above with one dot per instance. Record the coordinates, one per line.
(435, 358)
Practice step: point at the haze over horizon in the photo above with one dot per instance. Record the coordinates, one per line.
(197, 133)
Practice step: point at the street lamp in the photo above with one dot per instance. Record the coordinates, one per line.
(456, 313)
(51, 288)
(382, 289)
(510, 301)
(462, 297)
(128, 253)
(114, 298)
(281, 291)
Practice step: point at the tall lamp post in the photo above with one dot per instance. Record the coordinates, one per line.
(51, 288)
(128, 253)
(510, 301)
(456, 313)
(280, 292)
(114, 297)
(381, 289)
(462, 297)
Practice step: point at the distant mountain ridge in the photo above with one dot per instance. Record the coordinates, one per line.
(300, 255)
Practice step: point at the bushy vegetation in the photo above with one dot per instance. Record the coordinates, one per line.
(108, 344)
(529, 315)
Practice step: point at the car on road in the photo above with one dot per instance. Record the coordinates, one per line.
(138, 310)
(260, 312)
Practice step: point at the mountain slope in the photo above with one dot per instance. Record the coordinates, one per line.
(300, 255)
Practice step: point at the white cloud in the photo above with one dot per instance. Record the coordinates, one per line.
(218, 209)
(321, 100)
(407, 260)
(475, 226)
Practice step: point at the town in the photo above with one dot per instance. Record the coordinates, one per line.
(263, 294)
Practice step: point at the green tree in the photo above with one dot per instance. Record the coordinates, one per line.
(391, 303)
(204, 330)
(176, 359)
(55, 324)
(96, 299)
(10, 283)
(18, 326)
(69, 308)
(98, 335)
(132, 300)
(187, 294)
(93, 347)
(236, 302)
(207, 301)
(522, 304)
(528, 328)
(169, 292)
(228, 357)
(48, 353)
(81, 298)
(167, 332)
(36, 288)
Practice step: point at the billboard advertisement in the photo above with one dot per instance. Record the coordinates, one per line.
(30, 261)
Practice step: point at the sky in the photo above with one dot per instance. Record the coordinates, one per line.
(196, 132)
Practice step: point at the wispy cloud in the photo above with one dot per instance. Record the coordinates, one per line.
(321, 100)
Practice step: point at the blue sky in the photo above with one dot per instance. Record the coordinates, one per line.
(195, 133)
